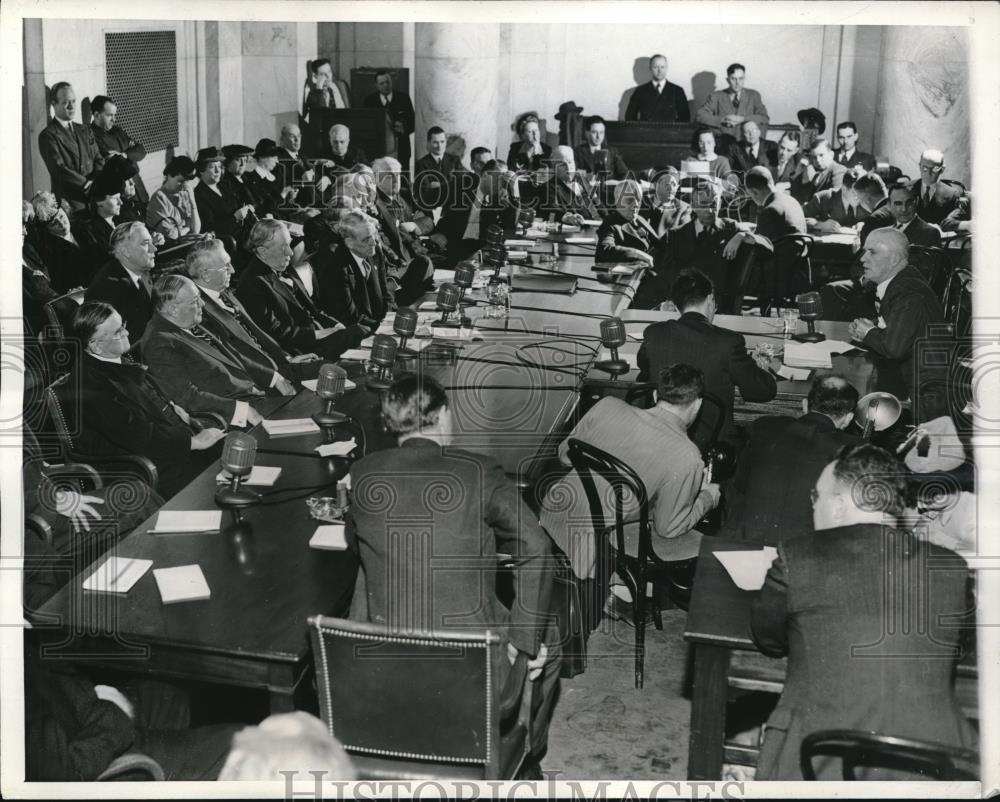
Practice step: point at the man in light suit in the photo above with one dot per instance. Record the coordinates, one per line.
(124, 281)
(195, 370)
(869, 616)
(211, 269)
(659, 100)
(399, 107)
(69, 149)
(822, 172)
(936, 200)
(595, 156)
(727, 109)
(279, 303)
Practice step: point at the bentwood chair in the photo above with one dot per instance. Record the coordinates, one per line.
(417, 705)
(858, 749)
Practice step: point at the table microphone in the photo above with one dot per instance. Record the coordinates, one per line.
(405, 325)
(526, 218)
(330, 386)
(494, 234)
(447, 302)
(238, 452)
(612, 338)
(810, 309)
(383, 355)
(465, 274)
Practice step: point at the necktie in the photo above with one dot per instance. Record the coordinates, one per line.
(228, 298)
(928, 191)
(199, 333)
(736, 101)
(385, 100)
(146, 286)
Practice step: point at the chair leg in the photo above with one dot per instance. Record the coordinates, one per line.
(639, 613)
(657, 616)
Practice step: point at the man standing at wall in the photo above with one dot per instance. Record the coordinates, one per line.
(69, 149)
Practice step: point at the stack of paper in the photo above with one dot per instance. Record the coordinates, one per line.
(748, 568)
(310, 384)
(536, 233)
(623, 270)
(442, 276)
(794, 374)
(568, 229)
(181, 583)
(117, 574)
(341, 448)
(260, 476)
(290, 427)
(179, 522)
(330, 537)
(518, 243)
(814, 355)
(580, 240)
(512, 255)
(455, 333)
(357, 354)
(594, 223)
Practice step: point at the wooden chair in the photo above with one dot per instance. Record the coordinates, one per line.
(958, 303)
(417, 706)
(59, 313)
(934, 264)
(857, 748)
(635, 570)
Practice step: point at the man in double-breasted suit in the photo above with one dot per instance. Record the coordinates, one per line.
(69, 149)
(869, 617)
(399, 107)
(659, 100)
(278, 301)
(720, 354)
(124, 280)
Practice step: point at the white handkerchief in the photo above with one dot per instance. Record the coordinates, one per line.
(329, 536)
(339, 449)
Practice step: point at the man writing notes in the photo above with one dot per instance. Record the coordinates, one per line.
(727, 109)
(869, 617)
(659, 100)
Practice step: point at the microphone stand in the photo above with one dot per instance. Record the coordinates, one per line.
(235, 499)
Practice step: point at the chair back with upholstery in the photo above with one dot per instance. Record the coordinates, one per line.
(958, 303)
(415, 705)
(55, 400)
(934, 264)
(859, 749)
(59, 312)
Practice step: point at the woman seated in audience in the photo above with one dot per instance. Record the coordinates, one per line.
(268, 193)
(36, 284)
(57, 245)
(172, 210)
(703, 147)
(530, 152)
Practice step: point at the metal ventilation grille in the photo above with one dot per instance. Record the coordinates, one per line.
(142, 81)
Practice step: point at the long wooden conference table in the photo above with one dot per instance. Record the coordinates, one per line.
(510, 392)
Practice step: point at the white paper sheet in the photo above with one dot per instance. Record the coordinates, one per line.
(747, 568)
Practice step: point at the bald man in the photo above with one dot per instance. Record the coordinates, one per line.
(566, 195)
(905, 306)
(935, 200)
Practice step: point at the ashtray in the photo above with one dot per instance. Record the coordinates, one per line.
(325, 509)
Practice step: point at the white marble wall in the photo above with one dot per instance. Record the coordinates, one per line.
(924, 98)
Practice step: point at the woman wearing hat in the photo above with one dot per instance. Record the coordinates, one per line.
(94, 231)
(268, 193)
(172, 210)
(231, 185)
(220, 213)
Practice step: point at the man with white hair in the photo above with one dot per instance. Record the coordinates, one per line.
(905, 307)
(625, 235)
(292, 166)
(340, 154)
(52, 235)
(567, 195)
(124, 282)
(936, 200)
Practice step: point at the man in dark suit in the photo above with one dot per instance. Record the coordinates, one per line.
(117, 409)
(719, 353)
(452, 584)
(194, 368)
(113, 140)
(752, 149)
(626, 236)
(433, 172)
(352, 279)
(567, 195)
(339, 153)
(830, 210)
(728, 109)
(869, 617)
(293, 169)
(278, 302)
(822, 172)
(211, 269)
(69, 149)
(124, 281)
(848, 154)
(786, 163)
(782, 461)
(399, 107)
(595, 156)
(659, 100)
(935, 200)
(476, 206)
(903, 208)
(905, 307)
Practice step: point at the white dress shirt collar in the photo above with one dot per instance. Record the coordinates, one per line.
(115, 360)
(264, 173)
(136, 277)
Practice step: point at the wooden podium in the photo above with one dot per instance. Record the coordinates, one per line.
(646, 144)
(370, 129)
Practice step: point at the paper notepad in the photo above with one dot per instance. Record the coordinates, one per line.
(181, 521)
(518, 243)
(329, 536)
(623, 270)
(310, 384)
(455, 333)
(794, 374)
(181, 583)
(592, 222)
(290, 427)
(535, 233)
(340, 448)
(580, 240)
(260, 476)
(117, 574)
(748, 568)
(814, 355)
(359, 354)
(444, 276)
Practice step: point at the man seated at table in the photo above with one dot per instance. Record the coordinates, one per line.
(830, 210)
(903, 208)
(752, 149)
(566, 196)
(787, 161)
(279, 303)
(730, 108)
(720, 354)
(433, 171)
(451, 586)
(191, 365)
(820, 172)
(465, 222)
(868, 616)
(848, 154)
(479, 157)
(782, 461)
(670, 212)
(339, 153)
(654, 443)
(935, 199)
(118, 409)
(595, 156)
(905, 306)
(124, 281)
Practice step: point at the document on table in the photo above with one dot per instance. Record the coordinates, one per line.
(358, 354)
(594, 223)
(839, 238)
(815, 355)
(580, 241)
(442, 276)
(117, 574)
(290, 427)
(181, 583)
(747, 569)
(310, 384)
(518, 243)
(794, 374)
(259, 476)
(340, 448)
(187, 521)
(630, 358)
